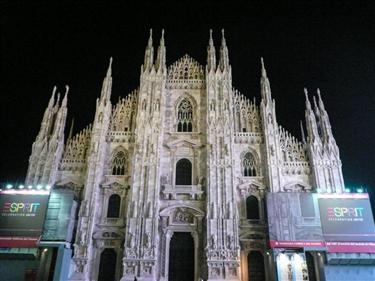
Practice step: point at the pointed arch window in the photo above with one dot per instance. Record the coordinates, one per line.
(114, 203)
(183, 172)
(119, 163)
(185, 116)
(249, 165)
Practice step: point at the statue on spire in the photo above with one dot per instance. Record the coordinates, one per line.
(224, 56)
(149, 54)
(211, 54)
(161, 56)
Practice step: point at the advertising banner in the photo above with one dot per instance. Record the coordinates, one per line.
(332, 222)
(347, 222)
(22, 215)
(346, 217)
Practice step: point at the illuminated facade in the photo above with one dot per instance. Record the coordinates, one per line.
(179, 170)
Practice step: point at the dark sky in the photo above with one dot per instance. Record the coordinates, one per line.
(329, 46)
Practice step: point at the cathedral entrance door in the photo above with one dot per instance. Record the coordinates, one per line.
(255, 263)
(181, 257)
(107, 267)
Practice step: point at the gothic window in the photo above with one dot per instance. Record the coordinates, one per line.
(252, 208)
(183, 172)
(119, 163)
(114, 203)
(185, 116)
(249, 165)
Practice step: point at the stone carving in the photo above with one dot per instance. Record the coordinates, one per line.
(131, 240)
(213, 241)
(147, 242)
(181, 215)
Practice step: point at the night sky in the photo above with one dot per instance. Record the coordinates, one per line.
(304, 45)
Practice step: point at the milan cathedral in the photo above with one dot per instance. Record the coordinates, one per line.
(172, 178)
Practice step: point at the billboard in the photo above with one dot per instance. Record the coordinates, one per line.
(336, 222)
(346, 217)
(347, 222)
(22, 215)
(294, 221)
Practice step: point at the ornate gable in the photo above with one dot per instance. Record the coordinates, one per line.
(186, 73)
(74, 157)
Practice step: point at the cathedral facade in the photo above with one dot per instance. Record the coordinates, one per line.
(172, 178)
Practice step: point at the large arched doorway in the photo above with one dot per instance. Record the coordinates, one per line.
(181, 257)
(255, 265)
(107, 267)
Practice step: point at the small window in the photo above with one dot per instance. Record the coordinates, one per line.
(185, 116)
(252, 208)
(114, 203)
(183, 172)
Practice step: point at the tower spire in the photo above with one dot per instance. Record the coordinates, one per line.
(224, 56)
(265, 84)
(149, 54)
(161, 57)
(311, 125)
(324, 121)
(264, 72)
(302, 132)
(107, 84)
(71, 130)
(211, 54)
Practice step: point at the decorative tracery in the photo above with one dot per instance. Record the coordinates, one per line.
(246, 114)
(185, 116)
(249, 165)
(119, 163)
(292, 149)
(185, 68)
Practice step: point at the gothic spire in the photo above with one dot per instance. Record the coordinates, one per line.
(149, 54)
(47, 117)
(107, 84)
(302, 132)
(311, 125)
(265, 84)
(324, 121)
(161, 57)
(224, 56)
(71, 130)
(59, 125)
(211, 54)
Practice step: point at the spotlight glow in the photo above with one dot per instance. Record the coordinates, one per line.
(9, 186)
(39, 186)
(21, 186)
(30, 187)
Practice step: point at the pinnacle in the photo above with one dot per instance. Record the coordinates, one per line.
(264, 72)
